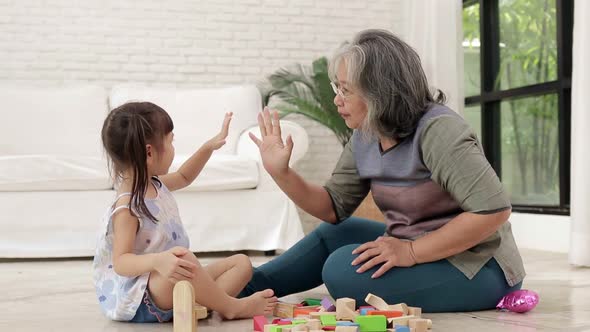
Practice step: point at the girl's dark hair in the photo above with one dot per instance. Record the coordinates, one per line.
(125, 133)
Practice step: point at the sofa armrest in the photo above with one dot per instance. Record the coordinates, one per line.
(300, 141)
(247, 148)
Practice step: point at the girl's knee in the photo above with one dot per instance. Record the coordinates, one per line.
(244, 263)
(189, 256)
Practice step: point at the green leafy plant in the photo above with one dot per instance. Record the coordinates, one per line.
(306, 90)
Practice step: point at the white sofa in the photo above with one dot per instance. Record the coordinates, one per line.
(55, 187)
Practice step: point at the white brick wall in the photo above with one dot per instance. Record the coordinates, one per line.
(185, 43)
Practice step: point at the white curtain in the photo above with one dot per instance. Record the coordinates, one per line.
(580, 161)
(435, 29)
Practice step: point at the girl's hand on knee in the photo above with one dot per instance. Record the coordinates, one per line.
(388, 251)
(170, 264)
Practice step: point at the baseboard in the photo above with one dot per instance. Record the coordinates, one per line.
(541, 231)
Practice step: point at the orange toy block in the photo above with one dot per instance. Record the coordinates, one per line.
(387, 314)
(304, 311)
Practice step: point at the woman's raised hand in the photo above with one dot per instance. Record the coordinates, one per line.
(275, 154)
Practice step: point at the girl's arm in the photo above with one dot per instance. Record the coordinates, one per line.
(188, 172)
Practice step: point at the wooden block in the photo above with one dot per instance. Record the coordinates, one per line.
(400, 320)
(200, 312)
(259, 322)
(183, 300)
(269, 327)
(346, 329)
(328, 305)
(314, 324)
(421, 325)
(399, 307)
(345, 308)
(387, 314)
(377, 302)
(318, 314)
(415, 311)
(301, 311)
(328, 320)
(284, 310)
(371, 323)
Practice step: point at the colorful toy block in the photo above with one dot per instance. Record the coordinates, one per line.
(371, 323)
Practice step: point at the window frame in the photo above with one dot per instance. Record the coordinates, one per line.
(489, 98)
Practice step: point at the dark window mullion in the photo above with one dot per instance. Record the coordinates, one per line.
(524, 91)
(565, 22)
(490, 64)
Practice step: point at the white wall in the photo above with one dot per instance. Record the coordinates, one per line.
(541, 232)
(184, 43)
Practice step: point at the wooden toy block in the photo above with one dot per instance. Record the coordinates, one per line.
(347, 329)
(399, 307)
(377, 302)
(284, 310)
(345, 308)
(371, 323)
(314, 324)
(400, 320)
(270, 327)
(318, 314)
(295, 328)
(183, 301)
(328, 304)
(302, 311)
(328, 320)
(200, 311)
(421, 325)
(259, 322)
(387, 314)
(313, 302)
(366, 309)
(329, 328)
(415, 311)
(402, 328)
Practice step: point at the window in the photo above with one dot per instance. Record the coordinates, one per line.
(518, 64)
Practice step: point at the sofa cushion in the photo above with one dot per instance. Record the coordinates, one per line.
(53, 173)
(61, 120)
(197, 113)
(222, 172)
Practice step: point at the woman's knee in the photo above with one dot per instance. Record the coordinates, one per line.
(337, 270)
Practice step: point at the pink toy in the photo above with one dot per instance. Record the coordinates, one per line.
(519, 301)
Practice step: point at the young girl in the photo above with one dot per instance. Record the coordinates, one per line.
(143, 250)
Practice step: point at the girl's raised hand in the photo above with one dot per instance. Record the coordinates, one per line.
(219, 140)
(172, 267)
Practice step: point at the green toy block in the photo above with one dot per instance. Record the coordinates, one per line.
(328, 320)
(299, 321)
(279, 328)
(313, 302)
(376, 323)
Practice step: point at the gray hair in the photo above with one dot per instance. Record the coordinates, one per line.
(389, 75)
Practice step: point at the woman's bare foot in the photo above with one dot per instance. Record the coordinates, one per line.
(259, 303)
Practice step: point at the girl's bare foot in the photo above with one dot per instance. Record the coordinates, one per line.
(259, 303)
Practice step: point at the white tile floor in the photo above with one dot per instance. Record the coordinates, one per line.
(58, 296)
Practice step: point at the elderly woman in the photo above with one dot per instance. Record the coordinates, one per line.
(446, 244)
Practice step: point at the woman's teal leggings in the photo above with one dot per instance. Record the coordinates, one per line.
(324, 256)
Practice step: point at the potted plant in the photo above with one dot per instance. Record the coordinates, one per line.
(306, 90)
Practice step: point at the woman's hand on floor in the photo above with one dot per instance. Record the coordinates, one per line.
(386, 250)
